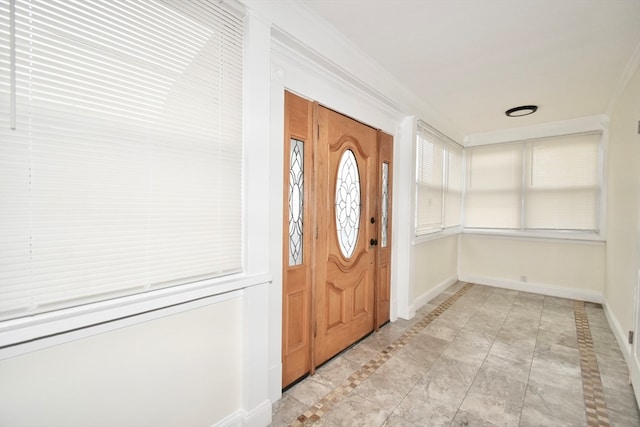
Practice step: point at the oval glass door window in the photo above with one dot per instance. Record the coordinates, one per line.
(348, 203)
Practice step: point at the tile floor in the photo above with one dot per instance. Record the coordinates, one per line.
(474, 356)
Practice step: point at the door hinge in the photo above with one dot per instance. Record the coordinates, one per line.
(315, 329)
(316, 232)
(630, 337)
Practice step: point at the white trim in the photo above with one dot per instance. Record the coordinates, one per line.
(625, 77)
(402, 265)
(634, 373)
(633, 364)
(436, 235)
(276, 212)
(257, 417)
(232, 420)
(604, 184)
(427, 296)
(255, 381)
(568, 237)
(536, 288)
(310, 75)
(74, 335)
(619, 333)
(458, 254)
(410, 312)
(565, 127)
(296, 21)
(318, 64)
(52, 324)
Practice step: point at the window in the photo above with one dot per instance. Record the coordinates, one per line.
(438, 181)
(562, 187)
(546, 184)
(121, 154)
(494, 186)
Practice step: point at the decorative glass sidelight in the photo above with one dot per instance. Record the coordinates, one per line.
(385, 205)
(296, 201)
(348, 203)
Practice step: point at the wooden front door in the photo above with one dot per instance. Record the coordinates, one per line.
(347, 232)
(337, 234)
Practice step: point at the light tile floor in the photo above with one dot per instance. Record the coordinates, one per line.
(474, 356)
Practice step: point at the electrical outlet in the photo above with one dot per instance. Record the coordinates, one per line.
(523, 279)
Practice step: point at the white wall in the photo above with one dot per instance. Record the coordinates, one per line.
(624, 199)
(181, 369)
(435, 268)
(198, 355)
(564, 268)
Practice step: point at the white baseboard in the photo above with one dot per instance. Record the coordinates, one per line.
(259, 416)
(231, 420)
(619, 333)
(633, 364)
(427, 296)
(536, 288)
(275, 382)
(408, 313)
(635, 378)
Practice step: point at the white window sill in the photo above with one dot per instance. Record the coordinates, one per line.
(555, 236)
(436, 235)
(133, 309)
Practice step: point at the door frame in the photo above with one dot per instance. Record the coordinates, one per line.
(325, 77)
(311, 212)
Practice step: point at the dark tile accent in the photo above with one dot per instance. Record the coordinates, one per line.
(595, 405)
(315, 412)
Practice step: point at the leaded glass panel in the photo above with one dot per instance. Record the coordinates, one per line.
(296, 201)
(348, 203)
(385, 204)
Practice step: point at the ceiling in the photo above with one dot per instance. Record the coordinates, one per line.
(470, 60)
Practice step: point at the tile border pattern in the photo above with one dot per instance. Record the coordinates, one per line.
(315, 412)
(595, 405)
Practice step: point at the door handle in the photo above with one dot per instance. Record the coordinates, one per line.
(373, 242)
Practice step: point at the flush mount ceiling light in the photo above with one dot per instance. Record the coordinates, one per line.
(523, 110)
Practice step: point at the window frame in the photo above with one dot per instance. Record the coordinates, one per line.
(598, 234)
(446, 145)
(25, 334)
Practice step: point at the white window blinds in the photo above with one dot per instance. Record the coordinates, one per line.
(546, 184)
(562, 183)
(429, 185)
(438, 181)
(494, 185)
(123, 173)
(453, 186)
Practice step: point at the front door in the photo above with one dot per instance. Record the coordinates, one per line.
(346, 196)
(336, 234)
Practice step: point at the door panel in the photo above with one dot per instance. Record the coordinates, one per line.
(383, 294)
(345, 275)
(297, 241)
